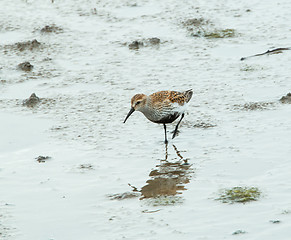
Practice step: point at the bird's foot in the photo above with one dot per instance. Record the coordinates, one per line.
(175, 133)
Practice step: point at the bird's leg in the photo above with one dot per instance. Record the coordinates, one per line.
(166, 155)
(165, 128)
(176, 128)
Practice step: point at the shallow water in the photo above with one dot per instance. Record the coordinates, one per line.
(235, 132)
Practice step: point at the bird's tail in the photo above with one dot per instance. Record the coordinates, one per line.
(188, 94)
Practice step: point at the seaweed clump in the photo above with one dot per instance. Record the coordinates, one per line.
(239, 195)
(28, 45)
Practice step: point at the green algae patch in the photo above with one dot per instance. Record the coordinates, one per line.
(239, 195)
(204, 28)
(218, 33)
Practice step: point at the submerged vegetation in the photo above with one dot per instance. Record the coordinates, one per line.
(239, 195)
(200, 27)
(216, 33)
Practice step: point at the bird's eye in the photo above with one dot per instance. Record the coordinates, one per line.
(138, 102)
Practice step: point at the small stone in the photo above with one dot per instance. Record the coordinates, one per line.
(238, 232)
(25, 66)
(135, 45)
(286, 99)
(32, 101)
(154, 41)
(275, 221)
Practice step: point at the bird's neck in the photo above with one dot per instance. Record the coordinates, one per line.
(148, 110)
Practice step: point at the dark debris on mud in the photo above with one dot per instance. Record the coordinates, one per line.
(42, 159)
(196, 22)
(275, 221)
(192, 23)
(51, 29)
(204, 125)
(6, 231)
(86, 166)
(286, 99)
(149, 42)
(251, 106)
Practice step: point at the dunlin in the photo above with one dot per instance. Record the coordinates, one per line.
(161, 107)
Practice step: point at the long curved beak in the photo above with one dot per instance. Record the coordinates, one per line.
(129, 113)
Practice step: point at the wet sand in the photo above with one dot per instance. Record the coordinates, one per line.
(70, 168)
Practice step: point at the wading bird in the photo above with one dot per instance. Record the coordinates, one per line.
(161, 107)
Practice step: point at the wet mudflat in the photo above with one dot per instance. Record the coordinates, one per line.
(69, 167)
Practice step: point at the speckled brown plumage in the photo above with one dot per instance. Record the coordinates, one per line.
(172, 96)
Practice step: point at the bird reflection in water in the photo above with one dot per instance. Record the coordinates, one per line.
(169, 177)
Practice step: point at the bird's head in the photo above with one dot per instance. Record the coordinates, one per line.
(138, 102)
